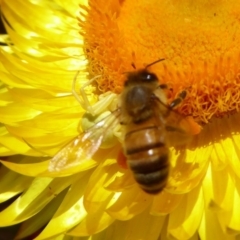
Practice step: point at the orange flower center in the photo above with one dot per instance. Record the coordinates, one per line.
(198, 39)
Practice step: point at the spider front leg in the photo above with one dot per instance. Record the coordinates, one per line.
(83, 100)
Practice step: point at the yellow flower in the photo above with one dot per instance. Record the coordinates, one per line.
(48, 42)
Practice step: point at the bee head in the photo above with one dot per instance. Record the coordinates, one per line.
(141, 77)
(146, 76)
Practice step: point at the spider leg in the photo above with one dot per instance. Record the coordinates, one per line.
(83, 100)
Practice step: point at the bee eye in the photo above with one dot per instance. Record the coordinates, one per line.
(149, 77)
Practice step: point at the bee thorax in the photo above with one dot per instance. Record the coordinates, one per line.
(138, 101)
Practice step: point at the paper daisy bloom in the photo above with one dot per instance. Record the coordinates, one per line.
(53, 47)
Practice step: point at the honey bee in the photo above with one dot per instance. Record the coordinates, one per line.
(150, 127)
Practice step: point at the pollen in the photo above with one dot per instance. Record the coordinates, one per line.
(199, 41)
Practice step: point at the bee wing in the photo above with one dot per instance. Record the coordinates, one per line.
(84, 146)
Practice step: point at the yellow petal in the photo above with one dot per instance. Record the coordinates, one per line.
(210, 228)
(5, 151)
(142, 226)
(12, 184)
(41, 192)
(70, 212)
(219, 156)
(164, 203)
(92, 224)
(43, 101)
(121, 182)
(222, 188)
(5, 96)
(11, 144)
(8, 114)
(95, 194)
(10, 80)
(185, 220)
(36, 222)
(15, 145)
(129, 204)
(186, 176)
(64, 237)
(41, 168)
(32, 169)
(229, 219)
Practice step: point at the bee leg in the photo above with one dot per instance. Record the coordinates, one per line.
(84, 102)
(122, 160)
(163, 86)
(178, 99)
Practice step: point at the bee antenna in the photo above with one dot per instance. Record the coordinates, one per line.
(157, 61)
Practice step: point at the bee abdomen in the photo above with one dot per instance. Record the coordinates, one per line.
(151, 174)
(148, 163)
(148, 158)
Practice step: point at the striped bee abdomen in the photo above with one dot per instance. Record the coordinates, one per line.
(148, 158)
